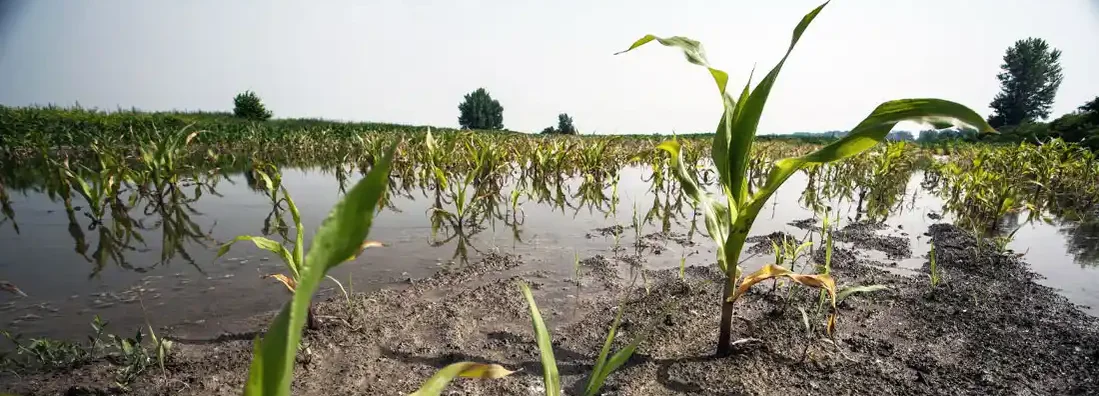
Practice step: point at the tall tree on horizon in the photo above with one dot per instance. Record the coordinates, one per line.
(1028, 83)
(564, 124)
(480, 111)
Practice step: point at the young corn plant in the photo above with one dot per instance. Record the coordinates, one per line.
(340, 236)
(605, 364)
(729, 216)
(934, 266)
(293, 259)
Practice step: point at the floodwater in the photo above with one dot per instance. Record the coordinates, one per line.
(70, 273)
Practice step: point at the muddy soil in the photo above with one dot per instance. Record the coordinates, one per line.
(987, 329)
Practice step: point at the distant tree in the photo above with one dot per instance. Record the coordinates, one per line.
(549, 131)
(1091, 111)
(1081, 126)
(900, 135)
(1028, 83)
(928, 136)
(247, 105)
(480, 111)
(564, 124)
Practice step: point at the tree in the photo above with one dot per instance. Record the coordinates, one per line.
(564, 124)
(1028, 83)
(247, 105)
(549, 131)
(480, 111)
(1081, 126)
(1091, 111)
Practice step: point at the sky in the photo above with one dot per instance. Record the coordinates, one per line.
(410, 62)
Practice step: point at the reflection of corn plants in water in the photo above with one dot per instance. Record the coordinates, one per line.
(6, 209)
(293, 259)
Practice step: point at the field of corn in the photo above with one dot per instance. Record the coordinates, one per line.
(702, 264)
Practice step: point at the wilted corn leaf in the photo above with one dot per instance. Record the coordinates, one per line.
(286, 281)
(345, 229)
(191, 136)
(435, 385)
(364, 246)
(847, 291)
(769, 271)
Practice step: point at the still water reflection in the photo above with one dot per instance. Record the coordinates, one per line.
(158, 246)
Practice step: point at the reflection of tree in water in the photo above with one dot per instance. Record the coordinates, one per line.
(1082, 241)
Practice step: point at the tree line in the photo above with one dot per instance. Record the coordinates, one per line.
(478, 110)
(1029, 79)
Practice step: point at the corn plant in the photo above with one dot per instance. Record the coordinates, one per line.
(605, 364)
(340, 236)
(934, 266)
(729, 218)
(293, 259)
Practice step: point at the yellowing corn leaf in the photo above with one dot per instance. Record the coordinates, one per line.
(190, 137)
(286, 281)
(435, 385)
(769, 271)
(363, 247)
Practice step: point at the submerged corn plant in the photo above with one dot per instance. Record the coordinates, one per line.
(340, 236)
(729, 217)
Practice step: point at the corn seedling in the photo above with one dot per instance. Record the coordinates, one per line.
(292, 259)
(605, 364)
(340, 236)
(729, 218)
(934, 266)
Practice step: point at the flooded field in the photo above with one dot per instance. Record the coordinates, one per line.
(158, 263)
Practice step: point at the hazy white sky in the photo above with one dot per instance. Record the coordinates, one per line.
(411, 61)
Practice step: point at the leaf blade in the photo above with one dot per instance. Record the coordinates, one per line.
(435, 385)
(545, 345)
(348, 224)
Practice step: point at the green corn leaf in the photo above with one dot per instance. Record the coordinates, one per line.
(545, 345)
(743, 131)
(847, 291)
(299, 231)
(693, 51)
(869, 133)
(338, 238)
(718, 216)
(617, 360)
(265, 244)
(596, 380)
(435, 385)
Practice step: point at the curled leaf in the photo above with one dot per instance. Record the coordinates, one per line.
(847, 291)
(290, 283)
(769, 271)
(364, 246)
